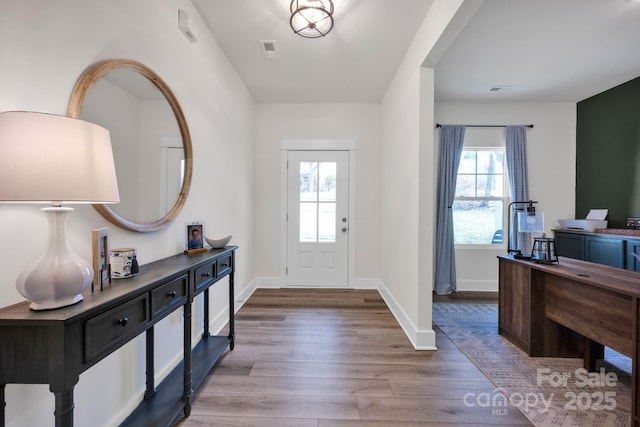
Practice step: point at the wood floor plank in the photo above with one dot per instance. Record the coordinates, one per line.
(448, 388)
(436, 410)
(208, 421)
(218, 384)
(335, 370)
(370, 423)
(272, 405)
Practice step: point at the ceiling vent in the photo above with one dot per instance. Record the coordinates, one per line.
(269, 50)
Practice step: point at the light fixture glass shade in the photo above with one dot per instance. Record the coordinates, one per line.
(530, 222)
(55, 159)
(311, 18)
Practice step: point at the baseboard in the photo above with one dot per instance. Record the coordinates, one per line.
(276, 283)
(364, 284)
(269, 283)
(477, 285)
(421, 340)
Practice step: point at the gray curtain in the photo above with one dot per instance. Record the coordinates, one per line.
(516, 148)
(451, 142)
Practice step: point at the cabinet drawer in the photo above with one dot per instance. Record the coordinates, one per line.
(224, 266)
(166, 297)
(106, 332)
(204, 276)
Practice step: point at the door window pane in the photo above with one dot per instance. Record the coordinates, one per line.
(308, 181)
(327, 222)
(327, 181)
(308, 222)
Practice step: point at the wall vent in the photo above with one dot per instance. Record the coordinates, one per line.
(269, 50)
(501, 88)
(187, 26)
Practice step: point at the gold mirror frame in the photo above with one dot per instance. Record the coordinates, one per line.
(82, 87)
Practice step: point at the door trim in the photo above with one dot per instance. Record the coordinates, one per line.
(317, 145)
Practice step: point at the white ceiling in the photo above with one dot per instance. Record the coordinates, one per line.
(540, 50)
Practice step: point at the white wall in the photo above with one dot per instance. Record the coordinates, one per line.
(44, 47)
(551, 151)
(277, 122)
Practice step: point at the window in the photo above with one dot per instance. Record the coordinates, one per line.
(480, 198)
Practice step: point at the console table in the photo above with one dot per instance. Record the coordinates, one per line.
(572, 309)
(55, 346)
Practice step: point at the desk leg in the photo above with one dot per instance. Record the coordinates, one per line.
(635, 365)
(150, 373)
(592, 352)
(186, 395)
(205, 332)
(232, 334)
(64, 408)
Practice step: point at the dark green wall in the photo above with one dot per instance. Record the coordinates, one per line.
(608, 153)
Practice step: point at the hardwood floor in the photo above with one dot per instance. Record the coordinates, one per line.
(329, 358)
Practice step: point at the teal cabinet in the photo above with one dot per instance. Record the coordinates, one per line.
(570, 245)
(633, 246)
(605, 250)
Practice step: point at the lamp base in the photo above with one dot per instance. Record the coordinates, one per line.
(57, 303)
(60, 276)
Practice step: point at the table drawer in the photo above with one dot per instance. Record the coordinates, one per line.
(166, 297)
(106, 332)
(204, 276)
(224, 266)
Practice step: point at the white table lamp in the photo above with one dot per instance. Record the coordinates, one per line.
(58, 160)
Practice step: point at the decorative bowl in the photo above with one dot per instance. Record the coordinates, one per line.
(218, 242)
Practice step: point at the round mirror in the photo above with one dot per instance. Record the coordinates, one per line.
(150, 139)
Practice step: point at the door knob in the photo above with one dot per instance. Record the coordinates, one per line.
(344, 229)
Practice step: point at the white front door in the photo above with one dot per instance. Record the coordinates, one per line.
(318, 218)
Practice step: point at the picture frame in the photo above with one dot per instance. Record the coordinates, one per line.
(194, 238)
(100, 246)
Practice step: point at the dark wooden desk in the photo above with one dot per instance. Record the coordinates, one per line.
(54, 347)
(571, 309)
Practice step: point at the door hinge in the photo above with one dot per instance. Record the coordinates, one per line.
(286, 271)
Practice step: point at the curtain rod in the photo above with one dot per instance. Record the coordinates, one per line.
(438, 125)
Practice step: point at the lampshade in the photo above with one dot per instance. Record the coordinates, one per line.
(311, 18)
(55, 159)
(530, 222)
(48, 158)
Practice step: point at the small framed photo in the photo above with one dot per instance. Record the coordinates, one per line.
(195, 236)
(100, 244)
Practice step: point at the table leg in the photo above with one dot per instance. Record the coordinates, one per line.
(592, 352)
(187, 392)
(64, 408)
(232, 335)
(4, 404)
(205, 332)
(150, 372)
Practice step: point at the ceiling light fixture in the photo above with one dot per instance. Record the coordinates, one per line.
(311, 18)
